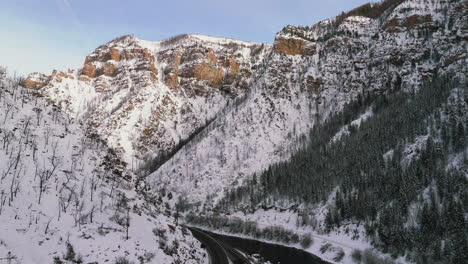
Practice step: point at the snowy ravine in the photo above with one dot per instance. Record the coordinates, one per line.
(59, 187)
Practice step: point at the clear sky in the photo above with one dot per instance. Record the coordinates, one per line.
(41, 35)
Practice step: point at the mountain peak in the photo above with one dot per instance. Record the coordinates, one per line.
(139, 90)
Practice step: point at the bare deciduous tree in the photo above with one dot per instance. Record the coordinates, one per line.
(38, 114)
(8, 109)
(47, 174)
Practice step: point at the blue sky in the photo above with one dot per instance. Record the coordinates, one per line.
(41, 35)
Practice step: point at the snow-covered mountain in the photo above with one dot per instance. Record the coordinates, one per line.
(242, 105)
(66, 195)
(310, 73)
(207, 114)
(145, 97)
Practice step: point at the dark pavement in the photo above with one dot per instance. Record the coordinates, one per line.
(220, 253)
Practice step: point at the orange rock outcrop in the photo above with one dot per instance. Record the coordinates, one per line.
(294, 46)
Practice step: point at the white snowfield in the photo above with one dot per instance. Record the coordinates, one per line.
(58, 186)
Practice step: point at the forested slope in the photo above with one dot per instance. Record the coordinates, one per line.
(402, 172)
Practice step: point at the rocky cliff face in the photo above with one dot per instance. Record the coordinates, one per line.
(35, 80)
(145, 97)
(290, 45)
(228, 67)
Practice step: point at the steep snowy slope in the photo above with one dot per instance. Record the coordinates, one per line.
(63, 192)
(145, 97)
(311, 73)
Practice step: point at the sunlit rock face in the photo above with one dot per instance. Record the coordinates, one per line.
(145, 97)
(35, 81)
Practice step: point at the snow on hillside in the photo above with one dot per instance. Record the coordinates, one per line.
(219, 40)
(245, 138)
(60, 187)
(355, 123)
(226, 155)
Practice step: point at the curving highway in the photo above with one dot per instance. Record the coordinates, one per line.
(220, 253)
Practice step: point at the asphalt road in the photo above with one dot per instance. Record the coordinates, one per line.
(220, 253)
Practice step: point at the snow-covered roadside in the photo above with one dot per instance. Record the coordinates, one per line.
(325, 245)
(289, 219)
